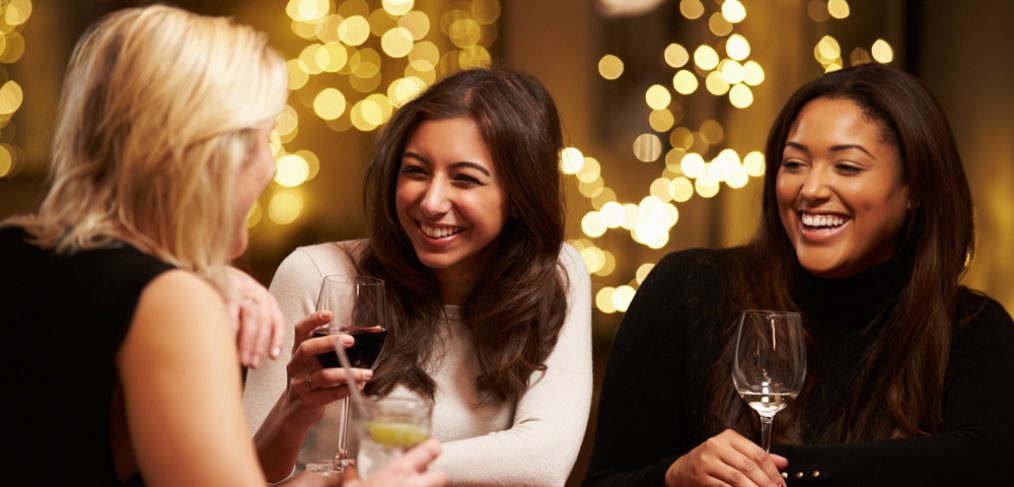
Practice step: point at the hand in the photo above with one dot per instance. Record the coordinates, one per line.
(255, 318)
(408, 471)
(311, 387)
(727, 459)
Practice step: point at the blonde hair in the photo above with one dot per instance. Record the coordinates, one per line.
(157, 116)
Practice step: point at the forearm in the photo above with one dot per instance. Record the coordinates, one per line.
(278, 441)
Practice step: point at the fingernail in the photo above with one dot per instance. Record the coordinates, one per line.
(368, 374)
(275, 351)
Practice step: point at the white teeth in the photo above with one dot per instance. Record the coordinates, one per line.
(822, 220)
(439, 232)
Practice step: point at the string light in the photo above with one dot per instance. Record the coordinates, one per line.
(13, 16)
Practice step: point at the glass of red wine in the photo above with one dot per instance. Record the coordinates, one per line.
(357, 306)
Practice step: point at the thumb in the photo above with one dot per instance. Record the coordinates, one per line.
(780, 461)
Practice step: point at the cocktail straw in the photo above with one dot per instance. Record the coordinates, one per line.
(357, 398)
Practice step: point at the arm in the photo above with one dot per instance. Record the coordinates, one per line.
(279, 401)
(180, 379)
(977, 440)
(550, 418)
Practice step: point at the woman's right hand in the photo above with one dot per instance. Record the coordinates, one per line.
(727, 459)
(408, 471)
(310, 386)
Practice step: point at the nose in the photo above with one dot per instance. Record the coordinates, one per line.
(815, 186)
(436, 201)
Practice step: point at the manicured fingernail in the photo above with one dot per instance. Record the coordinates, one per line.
(275, 351)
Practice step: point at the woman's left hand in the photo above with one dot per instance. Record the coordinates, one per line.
(256, 318)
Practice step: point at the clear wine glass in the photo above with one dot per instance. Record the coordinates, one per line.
(770, 363)
(396, 424)
(357, 306)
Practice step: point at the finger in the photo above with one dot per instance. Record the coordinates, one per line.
(319, 345)
(313, 320)
(247, 334)
(265, 327)
(278, 328)
(421, 456)
(755, 456)
(734, 476)
(780, 461)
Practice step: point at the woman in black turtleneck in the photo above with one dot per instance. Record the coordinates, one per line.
(866, 230)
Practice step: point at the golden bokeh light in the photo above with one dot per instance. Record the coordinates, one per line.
(608, 264)
(610, 67)
(692, 165)
(684, 82)
(398, 7)
(716, 83)
(307, 10)
(590, 170)
(474, 57)
(661, 120)
(622, 297)
(329, 104)
(424, 56)
(612, 214)
(732, 71)
(11, 97)
(397, 42)
(418, 23)
(705, 57)
(292, 170)
(604, 300)
(882, 51)
(733, 11)
(657, 97)
(838, 9)
(285, 207)
(681, 138)
(676, 55)
(6, 161)
(647, 147)
(465, 32)
(660, 189)
(827, 50)
(594, 258)
(737, 47)
(706, 187)
(643, 271)
(602, 197)
(298, 75)
(753, 73)
(354, 30)
(741, 96)
(592, 224)
(681, 189)
(691, 9)
(859, 56)
(719, 25)
(753, 162)
(711, 131)
(312, 163)
(571, 160)
(401, 90)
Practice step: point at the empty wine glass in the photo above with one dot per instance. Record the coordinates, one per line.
(357, 307)
(770, 363)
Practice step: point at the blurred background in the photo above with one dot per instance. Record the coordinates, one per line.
(665, 105)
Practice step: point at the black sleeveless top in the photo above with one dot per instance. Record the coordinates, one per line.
(64, 318)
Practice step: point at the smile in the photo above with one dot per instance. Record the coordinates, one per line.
(439, 232)
(823, 221)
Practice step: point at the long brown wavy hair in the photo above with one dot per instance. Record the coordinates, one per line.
(518, 303)
(896, 389)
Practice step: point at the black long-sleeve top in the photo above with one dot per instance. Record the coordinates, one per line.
(654, 401)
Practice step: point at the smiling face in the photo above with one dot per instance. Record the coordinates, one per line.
(450, 200)
(840, 190)
(253, 176)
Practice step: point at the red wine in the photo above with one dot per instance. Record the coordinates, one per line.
(363, 354)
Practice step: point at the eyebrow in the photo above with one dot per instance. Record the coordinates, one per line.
(457, 165)
(834, 148)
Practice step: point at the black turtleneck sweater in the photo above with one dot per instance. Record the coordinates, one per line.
(654, 402)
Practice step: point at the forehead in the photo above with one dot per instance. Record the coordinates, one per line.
(839, 118)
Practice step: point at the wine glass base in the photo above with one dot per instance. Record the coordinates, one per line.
(332, 468)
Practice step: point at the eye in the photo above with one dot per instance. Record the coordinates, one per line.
(792, 164)
(848, 169)
(412, 170)
(466, 180)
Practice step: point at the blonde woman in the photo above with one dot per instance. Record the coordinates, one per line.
(112, 294)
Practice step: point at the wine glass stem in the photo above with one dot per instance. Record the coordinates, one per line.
(766, 432)
(341, 456)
